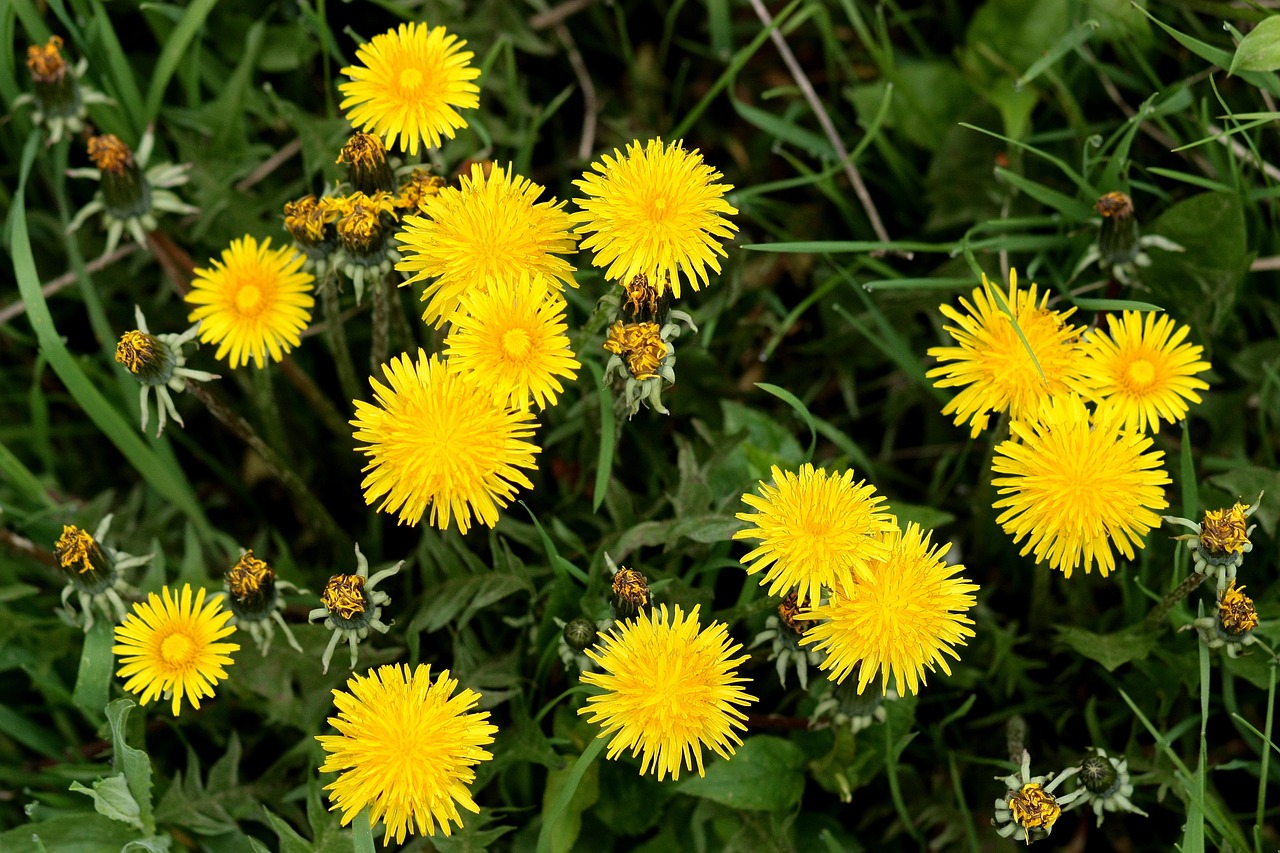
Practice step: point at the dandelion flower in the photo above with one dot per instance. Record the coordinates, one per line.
(437, 438)
(670, 689)
(657, 212)
(1074, 488)
(815, 530)
(1143, 371)
(170, 647)
(997, 369)
(255, 301)
(406, 749)
(489, 228)
(903, 616)
(413, 82)
(512, 338)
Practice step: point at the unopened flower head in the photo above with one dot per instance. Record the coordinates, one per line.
(1142, 371)
(640, 346)
(630, 593)
(159, 364)
(310, 223)
(416, 187)
(1232, 623)
(1000, 370)
(57, 93)
(365, 157)
(1029, 808)
(410, 86)
(489, 228)
(903, 614)
(172, 647)
(352, 607)
(406, 750)
(643, 360)
(95, 573)
(253, 302)
(253, 595)
(783, 631)
(128, 197)
(816, 531)
(1220, 541)
(512, 337)
(1105, 784)
(670, 688)
(655, 211)
(437, 440)
(1074, 487)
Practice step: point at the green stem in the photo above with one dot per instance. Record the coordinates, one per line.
(1181, 591)
(401, 328)
(308, 506)
(264, 397)
(565, 797)
(362, 833)
(336, 336)
(1264, 767)
(381, 325)
(320, 404)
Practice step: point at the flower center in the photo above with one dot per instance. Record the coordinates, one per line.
(177, 649)
(517, 344)
(410, 79)
(249, 299)
(1140, 373)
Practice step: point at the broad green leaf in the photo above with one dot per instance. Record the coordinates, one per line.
(738, 782)
(1110, 650)
(134, 763)
(111, 798)
(93, 680)
(82, 833)
(1260, 49)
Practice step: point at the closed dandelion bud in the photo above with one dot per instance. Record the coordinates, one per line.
(1097, 775)
(344, 598)
(146, 357)
(252, 586)
(1224, 531)
(418, 186)
(310, 223)
(630, 593)
(1029, 808)
(125, 191)
(53, 83)
(580, 633)
(352, 607)
(1118, 239)
(365, 157)
(1236, 611)
(643, 302)
(362, 228)
(83, 560)
(789, 610)
(639, 345)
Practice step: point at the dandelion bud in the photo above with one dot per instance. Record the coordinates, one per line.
(125, 191)
(1118, 239)
(580, 633)
(630, 593)
(146, 357)
(366, 160)
(1097, 774)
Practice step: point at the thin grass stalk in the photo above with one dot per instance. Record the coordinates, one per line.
(336, 337)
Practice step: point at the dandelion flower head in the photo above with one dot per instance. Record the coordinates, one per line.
(1073, 487)
(488, 228)
(656, 211)
(406, 749)
(903, 616)
(992, 364)
(171, 645)
(815, 530)
(437, 439)
(410, 86)
(254, 301)
(670, 689)
(1143, 371)
(512, 337)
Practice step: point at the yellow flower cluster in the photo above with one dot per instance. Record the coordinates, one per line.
(1078, 475)
(890, 603)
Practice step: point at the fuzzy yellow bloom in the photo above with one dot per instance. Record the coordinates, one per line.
(670, 689)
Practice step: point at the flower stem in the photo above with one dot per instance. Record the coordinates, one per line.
(1179, 592)
(362, 833)
(381, 325)
(336, 337)
(307, 504)
(264, 395)
(565, 796)
(321, 404)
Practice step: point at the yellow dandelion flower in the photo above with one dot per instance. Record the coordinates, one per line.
(815, 530)
(410, 87)
(1073, 487)
(993, 363)
(670, 689)
(437, 438)
(511, 337)
(657, 212)
(170, 646)
(487, 229)
(1143, 371)
(903, 616)
(406, 749)
(256, 300)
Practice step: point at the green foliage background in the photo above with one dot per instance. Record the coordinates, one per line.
(984, 137)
